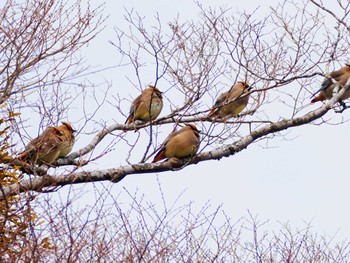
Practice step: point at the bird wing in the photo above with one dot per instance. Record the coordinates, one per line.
(134, 105)
(221, 99)
(47, 142)
(162, 146)
(235, 94)
(337, 74)
(170, 136)
(327, 82)
(50, 141)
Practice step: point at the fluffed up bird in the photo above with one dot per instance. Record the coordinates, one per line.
(180, 144)
(147, 106)
(232, 102)
(326, 91)
(53, 143)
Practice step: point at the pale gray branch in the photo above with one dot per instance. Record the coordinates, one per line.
(39, 183)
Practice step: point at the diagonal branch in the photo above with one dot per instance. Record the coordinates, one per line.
(117, 174)
(340, 21)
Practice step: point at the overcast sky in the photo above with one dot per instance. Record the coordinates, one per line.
(301, 180)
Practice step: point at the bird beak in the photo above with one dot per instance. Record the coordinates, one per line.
(250, 88)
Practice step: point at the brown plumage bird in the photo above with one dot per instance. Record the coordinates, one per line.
(180, 144)
(53, 143)
(232, 102)
(146, 106)
(326, 91)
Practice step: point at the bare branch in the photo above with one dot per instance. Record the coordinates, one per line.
(117, 174)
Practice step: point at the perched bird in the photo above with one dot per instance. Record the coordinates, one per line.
(53, 143)
(146, 106)
(180, 144)
(326, 91)
(232, 102)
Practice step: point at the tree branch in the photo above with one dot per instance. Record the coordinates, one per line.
(339, 20)
(117, 174)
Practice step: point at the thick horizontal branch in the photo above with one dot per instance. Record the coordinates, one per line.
(39, 183)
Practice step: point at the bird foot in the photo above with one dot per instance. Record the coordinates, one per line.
(176, 164)
(343, 107)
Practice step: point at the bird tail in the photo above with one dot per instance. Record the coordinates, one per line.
(160, 156)
(212, 113)
(313, 100)
(26, 155)
(320, 97)
(23, 156)
(128, 120)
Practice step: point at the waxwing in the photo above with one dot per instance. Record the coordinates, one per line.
(53, 143)
(180, 144)
(232, 102)
(146, 106)
(326, 91)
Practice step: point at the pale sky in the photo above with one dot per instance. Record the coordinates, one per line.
(301, 180)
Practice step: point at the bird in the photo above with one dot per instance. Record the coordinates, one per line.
(326, 91)
(232, 102)
(180, 144)
(147, 106)
(53, 143)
